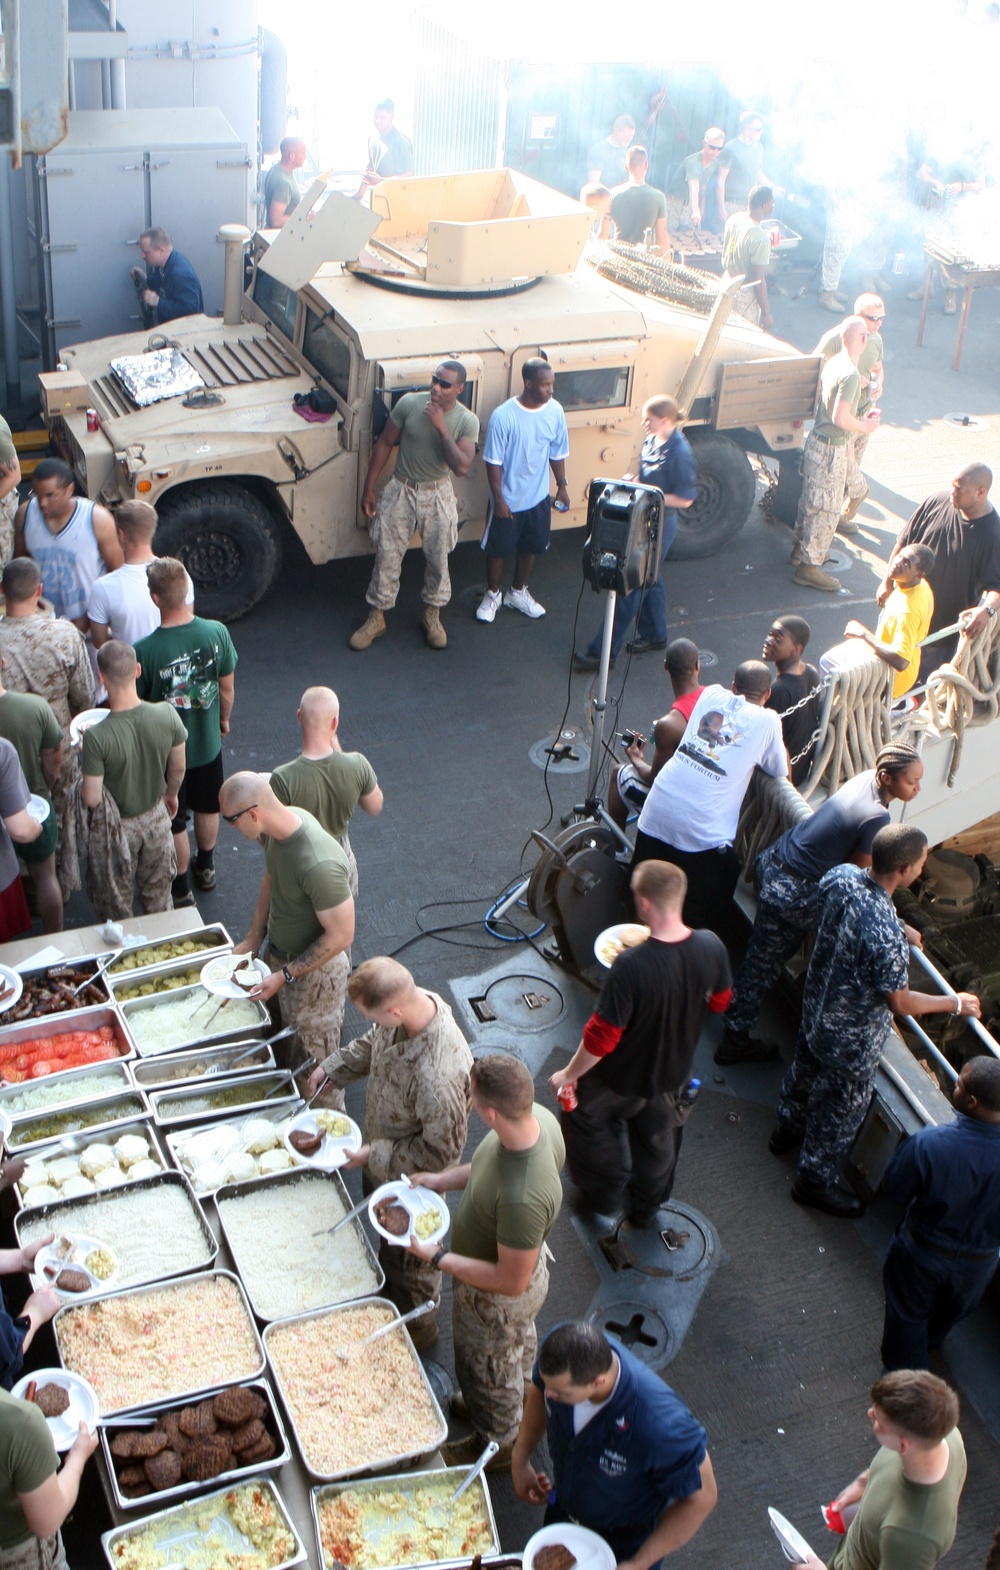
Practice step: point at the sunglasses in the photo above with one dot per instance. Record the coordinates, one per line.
(713, 147)
(439, 381)
(868, 318)
(238, 815)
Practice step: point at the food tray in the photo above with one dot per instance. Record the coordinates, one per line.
(218, 1033)
(222, 942)
(401, 1519)
(23, 1139)
(57, 1218)
(228, 1131)
(166, 1104)
(181, 1527)
(274, 1184)
(170, 967)
(62, 1024)
(174, 1069)
(184, 1490)
(186, 1286)
(383, 1463)
(74, 962)
(116, 1077)
(141, 1126)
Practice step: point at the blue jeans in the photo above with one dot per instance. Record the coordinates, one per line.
(649, 604)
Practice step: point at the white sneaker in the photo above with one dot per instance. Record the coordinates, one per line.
(489, 605)
(523, 601)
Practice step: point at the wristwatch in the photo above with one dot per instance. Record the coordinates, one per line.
(288, 975)
(438, 1256)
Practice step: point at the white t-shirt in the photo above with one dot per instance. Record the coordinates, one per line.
(585, 1410)
(521, 442)
(121, 600)
(694, 802)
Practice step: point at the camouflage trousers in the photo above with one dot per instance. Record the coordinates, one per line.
(857, 485)
(783, 918)
(841, 226)
(824, 475)
(824, 1098)
(495, 1346)
(8, 508)
(35, 1553)
(432, 512)
(153, 866)
(315, 1005)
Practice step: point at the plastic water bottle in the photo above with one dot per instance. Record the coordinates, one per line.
(689, 1093)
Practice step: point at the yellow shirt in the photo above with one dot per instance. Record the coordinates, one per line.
(905, 620)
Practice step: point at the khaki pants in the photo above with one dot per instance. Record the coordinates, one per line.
(154, 866)
(8, 508)
(495, 1346)
(315, 1005)
(35, 1553)
(431, 511)
(824, 477)
(857, 485)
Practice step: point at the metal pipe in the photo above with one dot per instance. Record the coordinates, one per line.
(989, 1042)
(936, 1054)
(235, 238)
(117, 64)
(8, 290)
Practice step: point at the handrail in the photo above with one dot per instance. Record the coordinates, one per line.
(990, 1042)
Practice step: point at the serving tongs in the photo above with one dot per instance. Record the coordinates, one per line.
(347, 1351)
(257, 1046)
(90, 980)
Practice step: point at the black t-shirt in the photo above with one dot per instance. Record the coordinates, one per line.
(843, 827)
(968, 562)
(659, 993)
(796, 730)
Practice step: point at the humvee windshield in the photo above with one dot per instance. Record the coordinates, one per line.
(328, 352)
(277, 302)
(602, 388)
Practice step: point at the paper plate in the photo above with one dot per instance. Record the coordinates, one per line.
(9, 978)
(418, 1201)
(81, 722)
(591, 1551)
(38, 808)
(84, 1406)
(793, 1544)
(607, 944)
(54, 1256)
(216, 975)
(335, 1148)
(4, 1126)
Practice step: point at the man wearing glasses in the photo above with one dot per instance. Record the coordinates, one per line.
(740, 167)
(689, 185)
(871, 368)
(434, 437)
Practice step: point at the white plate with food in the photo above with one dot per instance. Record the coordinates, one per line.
(233, 975)
(11, 987)
(586, 1550)
(615, 940)
(793, 1545)
(79, 1260)
(38, 808)
(428, 1214)
(66, 1399)
(323, 1139)
(83, 721)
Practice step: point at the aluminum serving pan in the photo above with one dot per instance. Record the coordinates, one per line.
(188, 1287)
(190, 1068)
(221, 944)
(91, 1119)
(144, 1127)
(77, 962)
(378, 1463)
(179, 1528)
(399, 1518)
(190, 965)
(274, 1185)
(58, 1093)
(184, 1490)
(71, 1215)
(62, 1025)
(216, 1035)
(270, 1091)
(217, 1143)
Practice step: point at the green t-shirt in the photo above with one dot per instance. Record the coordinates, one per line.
(181, 666)
(744, 245)
(902, 1525)
(831, 343)
(30, 726)
(693, 168)
(309, 872)
(743, 164)
(279, 186)
(636, 208)
(419, 456)
(27, 1460)
(512, 1196)
(839, 380)
(8, 452)
(130, 750)
(329, 788)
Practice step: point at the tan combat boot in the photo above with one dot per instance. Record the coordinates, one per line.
(435, 634)
(815, 578)
(372, 628)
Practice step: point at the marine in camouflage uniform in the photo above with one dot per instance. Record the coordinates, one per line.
(860, 954)
(152, 864)
(47, 656)
(824, 456)
(416, 1120)
(495, 1348)
(315, 1005)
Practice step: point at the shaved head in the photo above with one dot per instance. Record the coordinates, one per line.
(318, 706)
(854, 335)
(977, 474)
(245, 790)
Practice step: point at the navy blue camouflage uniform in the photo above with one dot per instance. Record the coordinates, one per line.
(787, 909)
(944, 1254)
(859, 955)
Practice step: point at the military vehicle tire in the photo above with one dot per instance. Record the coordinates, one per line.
(228, 540)
(784, 501)
(727, 487)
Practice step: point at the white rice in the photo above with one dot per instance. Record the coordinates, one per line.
(153, 1233)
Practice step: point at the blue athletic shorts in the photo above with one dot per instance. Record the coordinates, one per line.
(524, 534)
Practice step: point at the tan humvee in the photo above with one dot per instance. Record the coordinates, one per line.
(488, 268)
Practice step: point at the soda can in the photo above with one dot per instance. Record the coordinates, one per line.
(567, 1098)
(92, 422)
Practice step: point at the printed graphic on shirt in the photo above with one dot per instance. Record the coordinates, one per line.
(190, 680)
(717, 729)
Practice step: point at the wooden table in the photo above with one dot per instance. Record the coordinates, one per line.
(955, 275)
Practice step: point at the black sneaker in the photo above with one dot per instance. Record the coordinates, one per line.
(182, 901)
(204, 877)
(741, 1047)
(836, 1201)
